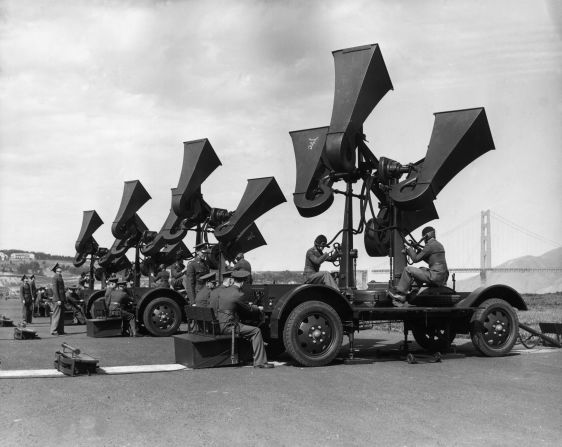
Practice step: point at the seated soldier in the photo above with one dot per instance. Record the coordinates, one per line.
(178, 270)
(162, 277)
(120, 301)
(436, 274)
(203, 296)
(230, 308)
(315, 257)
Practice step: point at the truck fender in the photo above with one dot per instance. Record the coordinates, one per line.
(501, 291)
(160, 292)
(306, 292)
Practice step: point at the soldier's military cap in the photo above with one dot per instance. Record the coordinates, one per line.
(203, 246)
(112, 280)
(55, 267)
(121, 283)
(227, 274)
(240, 274)
(209, 276)
(32, 277)
(23, 277)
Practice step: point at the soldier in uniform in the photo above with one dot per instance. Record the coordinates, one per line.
(314, 258)
(203, 296)
(118, 300)
(242, 264)
(230, 307)
(436, 274)
(26, 296)
(192, 281)
(162, 277)
(178, 270)
(57, 317)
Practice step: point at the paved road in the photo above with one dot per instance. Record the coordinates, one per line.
(472, 400)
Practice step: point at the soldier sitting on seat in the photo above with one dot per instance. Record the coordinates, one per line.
(315, 257)
(230, 308)
(204, 295)
(162, 277)
(436, 274)
(119, 301)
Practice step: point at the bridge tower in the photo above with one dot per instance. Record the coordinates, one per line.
(485, 244)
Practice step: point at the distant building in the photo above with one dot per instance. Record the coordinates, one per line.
(3, 256)
(22, 257)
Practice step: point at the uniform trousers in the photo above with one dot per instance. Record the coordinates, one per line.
(57, 318)
(321, 278)
(420, 275)
(254, 335)
(27, 311)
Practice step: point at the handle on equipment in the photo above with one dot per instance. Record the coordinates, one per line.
(66, 346)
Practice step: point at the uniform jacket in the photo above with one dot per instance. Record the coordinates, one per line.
(177, 270)
(162, 278)
(434, 254)
(118, 299)
(203, 297)
(26, 293)
(242, 264)
(314, 258)
(195, 269)
(229, 306)
(58, 288)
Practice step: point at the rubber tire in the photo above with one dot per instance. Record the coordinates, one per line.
(432, 337)
(295, 346)
(151, 325)
(480, 326)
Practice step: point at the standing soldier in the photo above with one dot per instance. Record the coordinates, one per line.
(178, 270)
(243, 264)
(192, 282)
(57, 318)
(26, 299)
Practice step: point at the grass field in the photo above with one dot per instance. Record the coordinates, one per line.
(542, 308)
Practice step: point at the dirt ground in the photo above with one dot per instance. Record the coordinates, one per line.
(466, 400)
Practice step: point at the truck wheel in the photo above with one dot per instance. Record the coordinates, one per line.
(433, 336)
(162, 317)
(313, 334)
(494, 328)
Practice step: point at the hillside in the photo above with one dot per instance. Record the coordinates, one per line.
(524, 282)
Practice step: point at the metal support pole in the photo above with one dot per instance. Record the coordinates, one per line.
(347, 280)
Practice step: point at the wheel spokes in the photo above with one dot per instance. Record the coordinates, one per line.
(314, 334)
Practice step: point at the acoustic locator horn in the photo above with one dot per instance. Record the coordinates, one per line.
(458, 138)
(134, 197)
(260, 196)
(361, 82)
(199, 161)
(86, 244)
(313, 194)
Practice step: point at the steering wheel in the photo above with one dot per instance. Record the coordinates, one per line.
(337, 248)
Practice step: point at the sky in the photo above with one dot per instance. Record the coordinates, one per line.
(95, 93)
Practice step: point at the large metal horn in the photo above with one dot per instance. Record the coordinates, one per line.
(199, 161)
(249, 239)
(168, 255)
(261, 195)
(313, 194)
(136, 227)
(134, 197)
(361, 82)
(458, 138)
(170, 233)
(86, 244)
(378, 232)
